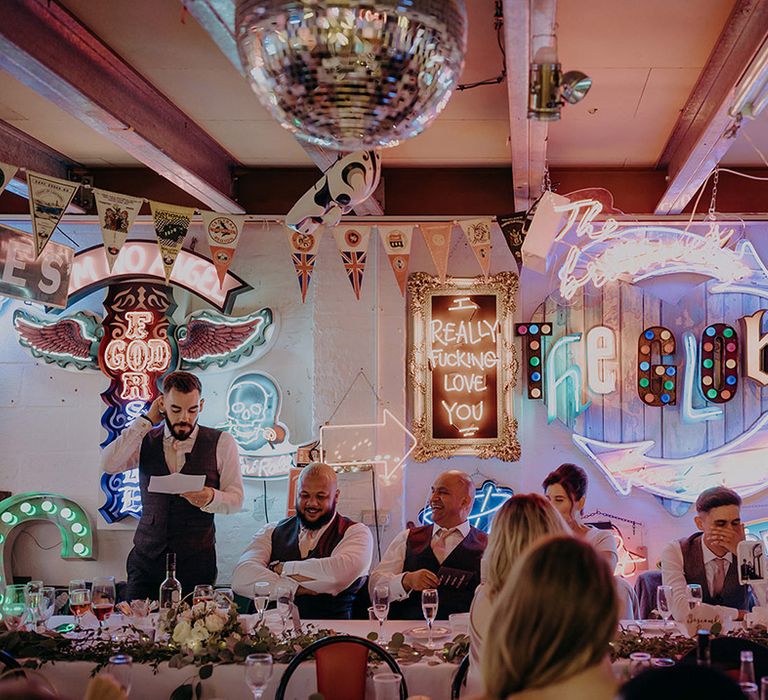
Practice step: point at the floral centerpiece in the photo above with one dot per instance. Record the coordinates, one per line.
(203, 629)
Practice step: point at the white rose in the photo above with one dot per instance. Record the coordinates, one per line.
(182, 632)
(214, 623)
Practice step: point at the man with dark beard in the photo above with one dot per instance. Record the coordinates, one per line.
(178, 523)
(323, 556)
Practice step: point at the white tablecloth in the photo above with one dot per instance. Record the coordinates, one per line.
(227, 681)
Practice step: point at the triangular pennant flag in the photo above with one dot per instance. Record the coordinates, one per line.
(478, 233)
(515, 226)
(223, 232)
(49, 198)
(7, 172)
(171, 226)
(117, 213)
(303, 253)
(438, 240)
(353, 246)
(397, 244)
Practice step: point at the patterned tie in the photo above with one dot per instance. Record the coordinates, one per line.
(718, 580)
(439, 544)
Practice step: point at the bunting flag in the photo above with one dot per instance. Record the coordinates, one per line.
(49, 198)
(353, 246)
(438, 240)
(7, 172)
(515, 226)
(223, 236)
(478, 233)
(303, 253)
(171, 226)
(397, 244)
(117, 213)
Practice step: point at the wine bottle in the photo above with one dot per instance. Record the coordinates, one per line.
(170, 589)
(703, 653)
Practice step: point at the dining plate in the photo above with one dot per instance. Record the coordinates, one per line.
(422, 633)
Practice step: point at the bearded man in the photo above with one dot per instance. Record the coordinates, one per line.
(323, 556)
(181, 524)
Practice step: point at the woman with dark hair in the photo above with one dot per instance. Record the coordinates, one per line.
(566, 488)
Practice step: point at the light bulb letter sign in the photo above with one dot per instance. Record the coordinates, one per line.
(719, 369)
(564, 387)
(690, 413)
(601, 360)
(533, 354)
(756, 344)
(656, 380)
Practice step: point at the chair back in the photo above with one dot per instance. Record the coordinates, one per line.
(345, 639)
(342, 670)
(645, 590)
(460, 678)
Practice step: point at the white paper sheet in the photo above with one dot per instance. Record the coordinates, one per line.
(176, 483)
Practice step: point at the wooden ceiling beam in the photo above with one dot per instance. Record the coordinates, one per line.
(528, 26)
(217, 17)
(47, 49)
(705, 130)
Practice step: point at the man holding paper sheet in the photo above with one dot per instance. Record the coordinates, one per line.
(187, 472)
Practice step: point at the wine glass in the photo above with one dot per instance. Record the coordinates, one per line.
(45, 604)
(79, 604)
(120, 667)
(284, 598)
(664, 603)
(202, 594)
(429, 603)
(32, 596)
(381, 607)
(258, 671)
(103, 598)
(224, 599)
(14, 606)
(695, 595)
(262, 590)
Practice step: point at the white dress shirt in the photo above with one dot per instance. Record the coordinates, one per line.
(350, 559)
(390, 568)
(605, 543)
(123, 454)
(673, 574)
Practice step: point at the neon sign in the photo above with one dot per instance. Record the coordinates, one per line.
(566, 403)
(488, 499)
(533, 354)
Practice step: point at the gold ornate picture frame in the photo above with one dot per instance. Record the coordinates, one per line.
(462, 366)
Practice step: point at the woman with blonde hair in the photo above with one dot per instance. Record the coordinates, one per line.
(520, 522)
(553, 622)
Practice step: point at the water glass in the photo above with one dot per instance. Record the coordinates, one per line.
(258, 671)
(662, 663)
(750, 691)
(224, 599)
(120, 667)
(664, 602)
(639, 661)
(262, 590)
(387, 686)
(284, 598)
(764, 688)
(429, 603)
(14, 606)
(695, 595)
(381, 607)
(103, 598)
(202, 594)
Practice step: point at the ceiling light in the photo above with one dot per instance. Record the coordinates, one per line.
(550, 89)
(751, 94)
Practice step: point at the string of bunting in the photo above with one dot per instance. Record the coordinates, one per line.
(49, 198)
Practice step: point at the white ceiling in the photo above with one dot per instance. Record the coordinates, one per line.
(644, 58)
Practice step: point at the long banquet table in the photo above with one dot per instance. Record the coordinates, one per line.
(228, 681)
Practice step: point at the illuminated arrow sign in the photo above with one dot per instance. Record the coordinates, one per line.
(369, 443)
(741, 464)
(756, 284)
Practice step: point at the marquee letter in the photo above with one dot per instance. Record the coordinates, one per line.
(719, 368)
(570, 377)
(656, 383)
(691, 414)
(755, 346)
(533, 354)
(601, 360)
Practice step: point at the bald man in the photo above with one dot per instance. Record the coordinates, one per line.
(445, 555)
(323, 556)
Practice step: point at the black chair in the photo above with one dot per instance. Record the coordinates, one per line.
(460, 679)
(361, 603)
(645, 590)
(303, 655)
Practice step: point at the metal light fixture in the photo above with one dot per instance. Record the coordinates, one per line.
(550, 88)
(352, 75)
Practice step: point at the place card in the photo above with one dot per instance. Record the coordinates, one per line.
(704, 617)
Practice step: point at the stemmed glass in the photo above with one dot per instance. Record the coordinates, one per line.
(79, 604)
(381, 607)
(695, 595)
(664, 603)
(103, 598)
(45, 603)
(258, 671)
(429, 603)
(32, 591)
(14, 606)
(202, 594)
(261, 593)
(120, 667)
(284, 598)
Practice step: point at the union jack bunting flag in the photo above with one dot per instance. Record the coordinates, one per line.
(303, 263)
(354, 264)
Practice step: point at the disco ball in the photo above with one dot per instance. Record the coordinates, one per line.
(353, 75)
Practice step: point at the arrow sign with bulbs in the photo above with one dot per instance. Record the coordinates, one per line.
(387, 443)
